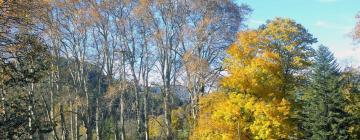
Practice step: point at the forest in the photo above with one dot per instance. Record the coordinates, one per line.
(168, 69)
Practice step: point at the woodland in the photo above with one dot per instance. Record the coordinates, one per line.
(168, 69)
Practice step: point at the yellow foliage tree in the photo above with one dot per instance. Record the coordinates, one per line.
(262, 66)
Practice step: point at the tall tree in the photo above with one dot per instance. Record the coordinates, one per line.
(261, 67)
(350, 89)
(23, 61)
(211, 29)
(325, 117)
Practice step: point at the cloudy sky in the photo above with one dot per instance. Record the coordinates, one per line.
(328, 20)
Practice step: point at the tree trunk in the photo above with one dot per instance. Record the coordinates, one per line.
(97, 117)
(3, 103)
(52, 106)
(146, 94)
(122, 115)
(77, 128)
(50, 119)
(146, 128)
(71, 120)
(31, 110)
(167, 113)
(65, 134)
(122, 96)
(88, 118)
(138, 112)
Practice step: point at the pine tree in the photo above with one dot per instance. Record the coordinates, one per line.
(323, 108)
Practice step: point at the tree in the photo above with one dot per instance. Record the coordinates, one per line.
(262, 66)
(325, 117)
(350, 85)
(25, 65)
(23, 62)
(201, 53)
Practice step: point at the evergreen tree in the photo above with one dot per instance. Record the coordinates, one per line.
(323, 109)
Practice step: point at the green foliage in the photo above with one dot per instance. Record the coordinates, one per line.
(26, 61)
(350, 89)
(324, 114)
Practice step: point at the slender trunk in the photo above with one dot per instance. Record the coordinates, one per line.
(146, 94)
(31, 110)
(146, 128)
(77, 128)
(5, 113)
(167, 107)
(136, 91)
(3, 103)
(145, 77)
(65, 134)
(88, 117)
(122, 115)
(167, 113)
(51, 121)
(97, 117)
(138, 112)
(122, 100)
(52, 104)
(71, 120)
(193, 107)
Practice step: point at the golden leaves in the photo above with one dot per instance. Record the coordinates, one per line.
(253, 68)
(255, 106)
(155, 126)
(234, 115)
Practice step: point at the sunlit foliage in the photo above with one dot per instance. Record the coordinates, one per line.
(261, 68)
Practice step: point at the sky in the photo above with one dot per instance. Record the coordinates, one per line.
(330, 21)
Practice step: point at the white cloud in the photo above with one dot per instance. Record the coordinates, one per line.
(348, 57)
(323, 24)
(343, 29)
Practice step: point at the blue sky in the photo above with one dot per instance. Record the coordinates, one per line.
(330, 21)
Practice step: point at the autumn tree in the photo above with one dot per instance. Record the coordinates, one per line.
(73, 30)
(350, 91)
(262, 66)
(23, 61)
(201, 52)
